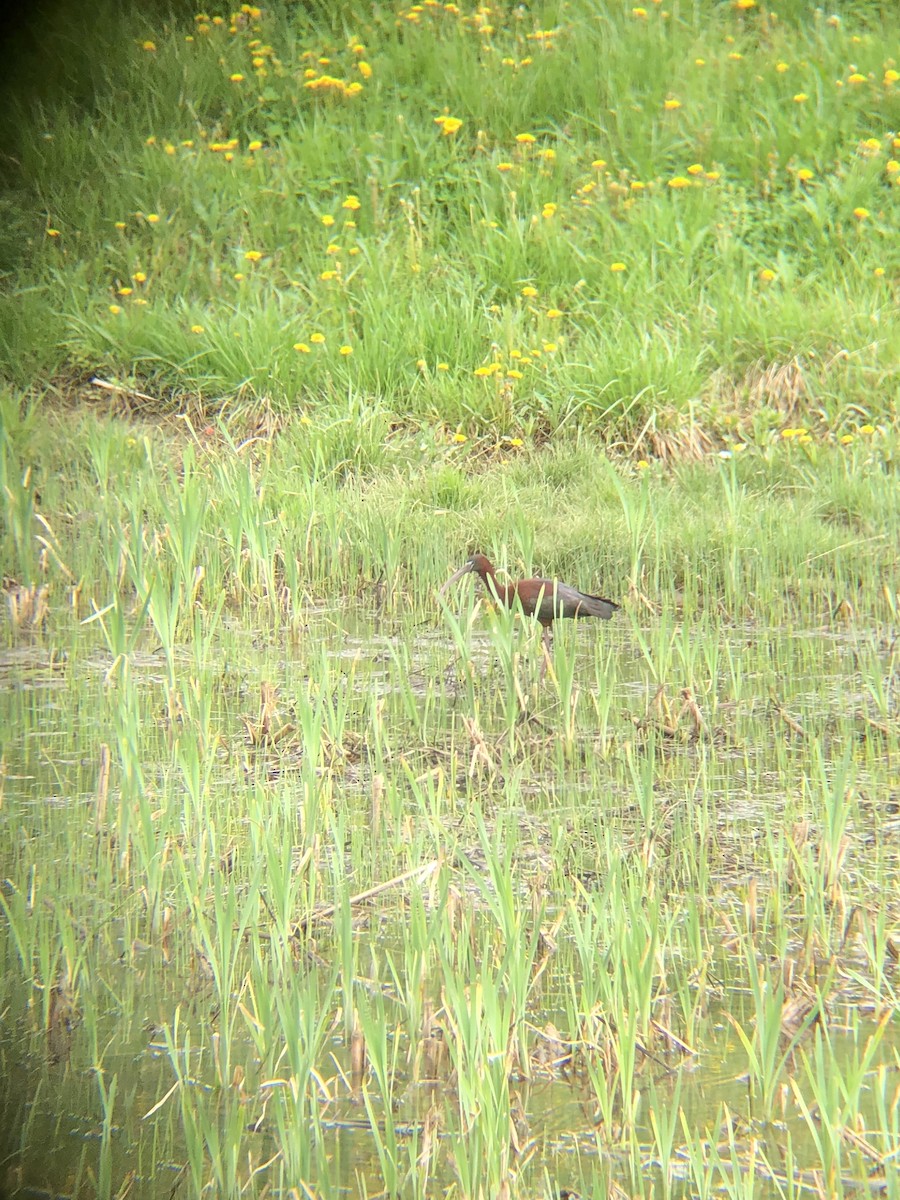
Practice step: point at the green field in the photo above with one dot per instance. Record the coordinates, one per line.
(311, 882)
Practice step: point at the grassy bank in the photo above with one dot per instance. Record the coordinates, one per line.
(496, 218)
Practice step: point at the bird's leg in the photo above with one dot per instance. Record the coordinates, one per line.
(545, 647)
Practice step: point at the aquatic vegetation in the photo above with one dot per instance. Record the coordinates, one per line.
(310, 877)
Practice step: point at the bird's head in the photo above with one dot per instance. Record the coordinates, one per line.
(476, 564)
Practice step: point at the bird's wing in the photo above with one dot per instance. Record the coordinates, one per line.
(563, 600)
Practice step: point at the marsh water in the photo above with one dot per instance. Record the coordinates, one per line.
(157, 969)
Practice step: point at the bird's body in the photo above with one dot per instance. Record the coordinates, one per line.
(545, 599)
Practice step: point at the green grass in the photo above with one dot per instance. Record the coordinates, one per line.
(155, 177)
(310, 883)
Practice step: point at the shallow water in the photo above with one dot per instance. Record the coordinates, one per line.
(394, 754)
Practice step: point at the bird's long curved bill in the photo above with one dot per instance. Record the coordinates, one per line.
(465, 570)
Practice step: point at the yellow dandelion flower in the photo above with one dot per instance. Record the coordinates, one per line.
(504, 166)
(120, 225)
(525, 139)
(679, 181)
(642, 464)
(352, 203)
(529, 292)
(801, 98)
(598, 164)
(873, 144)
(115, 309)
(640, 13)
(148, 46)
(856, 77)
(255, 145)
(513, 373)
(781, 67)
(237, 77)
(861, 213)
(450, 125)
(735, 56)
(891, 76)
(460, 438)
(554, 313)
(846, 439)
(713, 175)
(637, 186)
(805, 174)
(868, 430)
(548, 348)
(481, 372)
(878, 272)
(767, 274)
(302, 348)
(346, 351)
(317, 338)
(617, 266)
(139, 277)
(364, 69)
(328, 275)
(169, 149)
(253, 256)
(699, 62)
(152, 218)
(124, 291)
(548, 211)
(695, 169)
(197, 329)
(54, 233)
(892, 167)
(442, 366)
(239, 275)
(671, 104)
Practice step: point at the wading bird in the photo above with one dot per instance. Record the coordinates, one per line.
(546, 599)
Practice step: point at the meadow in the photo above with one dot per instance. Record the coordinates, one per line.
(310, 884)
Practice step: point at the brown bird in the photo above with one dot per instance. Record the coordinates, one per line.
(546, 599)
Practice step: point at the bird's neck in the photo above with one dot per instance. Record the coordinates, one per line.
(496, 590)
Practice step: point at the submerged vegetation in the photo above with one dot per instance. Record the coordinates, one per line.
(310, 884)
